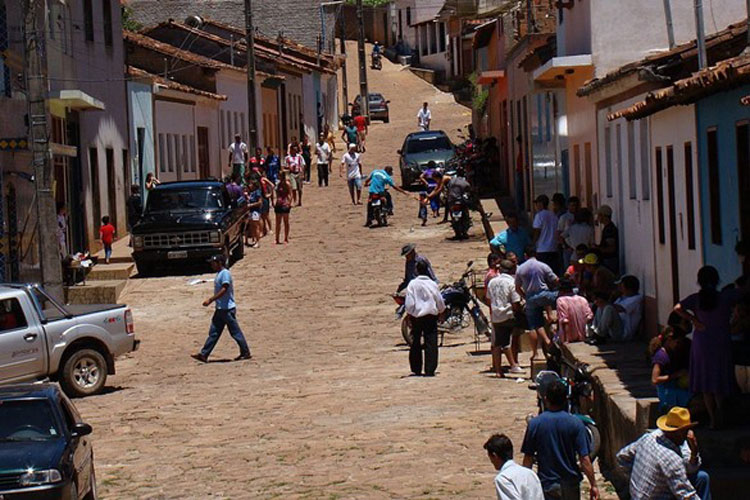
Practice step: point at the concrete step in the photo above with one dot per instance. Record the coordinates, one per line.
(112, 271)
(95, 292)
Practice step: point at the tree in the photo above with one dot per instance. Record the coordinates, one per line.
(128, 23)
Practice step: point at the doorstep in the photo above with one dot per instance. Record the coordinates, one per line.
(95, 292)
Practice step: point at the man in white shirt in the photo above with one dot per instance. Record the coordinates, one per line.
(424, 117)
(513, 481)
(325, 159)
(545, 234)
(351, 160)
(238, 156)
(629, 305)
(295, 164)
(505, 302)
(423, 305)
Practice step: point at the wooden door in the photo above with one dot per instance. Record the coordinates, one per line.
(743, 176)
(204, 162)
(111, 186)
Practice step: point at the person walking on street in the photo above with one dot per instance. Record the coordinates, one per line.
(554, 439)
(665, 463)
(107, 234)
(545, 234)
(306, 152)
(505, 303)
(535, 281)
(424, 118)
(361, 123)
(238, 156)
(350, 135)
(513, 482)
(295, 164)
(423, 305)
(225, 314)
(351, 160)
(283, 206)
(325, 160)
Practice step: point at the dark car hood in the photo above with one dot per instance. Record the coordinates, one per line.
(18, 456)
(177, 221)
(438, 156)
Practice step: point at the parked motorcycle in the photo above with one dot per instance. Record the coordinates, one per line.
(580, 389)
(460, 305)
(377, 62)
(460, 218)
(379, 203)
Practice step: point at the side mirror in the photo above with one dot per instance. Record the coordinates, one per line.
(80, 430)
(470, 263)
(387, 102)
(398, 151)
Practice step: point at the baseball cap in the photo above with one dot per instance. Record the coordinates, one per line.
(352, 145)
(590, 258)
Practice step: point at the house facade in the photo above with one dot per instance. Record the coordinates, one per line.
(88, 123)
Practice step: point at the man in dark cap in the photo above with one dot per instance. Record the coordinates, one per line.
(225, 313)
(409, 251)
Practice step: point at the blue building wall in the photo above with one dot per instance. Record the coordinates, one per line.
(141, 115)
(722, 111)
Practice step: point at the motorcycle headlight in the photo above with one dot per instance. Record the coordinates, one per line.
(137, 241)
(39, 477)
(214, 236)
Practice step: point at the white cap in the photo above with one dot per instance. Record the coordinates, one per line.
(352, 145)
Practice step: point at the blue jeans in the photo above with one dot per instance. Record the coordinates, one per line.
(702, 484)
(222, 318)
(535, 305)
(107, 251)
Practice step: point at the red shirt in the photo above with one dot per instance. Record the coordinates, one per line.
(360, 122)
(107, 233)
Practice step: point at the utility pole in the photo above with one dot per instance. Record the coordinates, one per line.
(365, 101)
(700, 34)
(35, 69)
(344, 84)
(250, 44)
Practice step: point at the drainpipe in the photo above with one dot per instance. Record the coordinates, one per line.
(668, 19)
(747, 49)
(700, 34)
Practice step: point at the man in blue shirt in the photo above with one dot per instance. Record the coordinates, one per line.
(514, 239)
(376, 183)
(225, 313)
(558, 441)
(272, 165)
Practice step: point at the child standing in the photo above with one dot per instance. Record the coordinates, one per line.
(107, 235)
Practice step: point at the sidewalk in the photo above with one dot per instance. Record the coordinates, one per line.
(121, 252)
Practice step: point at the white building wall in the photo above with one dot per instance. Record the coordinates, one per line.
(309, 108)
(614, 23)
(175, 125)
(623, 168)
(207, 115)
(293, 98)
(674, 127)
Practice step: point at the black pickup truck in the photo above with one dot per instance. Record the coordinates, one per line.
(188, 221)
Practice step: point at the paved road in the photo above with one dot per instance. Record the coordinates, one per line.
(326, 408)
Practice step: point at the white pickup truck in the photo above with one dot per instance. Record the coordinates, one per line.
(75, 345)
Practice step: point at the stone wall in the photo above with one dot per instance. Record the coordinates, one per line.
(299, 20)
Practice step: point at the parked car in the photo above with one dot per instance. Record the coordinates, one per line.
(418, 150)
(378, 107)
(45, 451)
(188, 221)
(74, 344)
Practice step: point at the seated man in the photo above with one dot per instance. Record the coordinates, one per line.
(665, 463)
(629, 305)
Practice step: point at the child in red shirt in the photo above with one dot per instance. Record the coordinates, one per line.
(107, 235)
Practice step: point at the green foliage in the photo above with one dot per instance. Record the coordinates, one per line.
(128, 23)
(479, 94)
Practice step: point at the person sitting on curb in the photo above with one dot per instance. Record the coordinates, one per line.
(665, 463)
(512, 482)
(554, 439)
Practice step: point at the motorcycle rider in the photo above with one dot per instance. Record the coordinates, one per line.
(376, 183)
(457, 187)
(376, 52)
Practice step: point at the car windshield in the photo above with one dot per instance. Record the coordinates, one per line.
(430, 143)
(376, 98)
(27, 420)
(175, 200)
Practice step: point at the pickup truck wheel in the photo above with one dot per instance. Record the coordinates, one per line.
(84, 373)
(145, 270)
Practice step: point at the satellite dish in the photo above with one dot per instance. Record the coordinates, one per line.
(194, 21)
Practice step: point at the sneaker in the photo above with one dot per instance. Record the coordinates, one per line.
(200, 357)
(516, 369)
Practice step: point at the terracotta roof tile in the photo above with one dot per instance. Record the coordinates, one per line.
(137, 73)
(166, 49)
